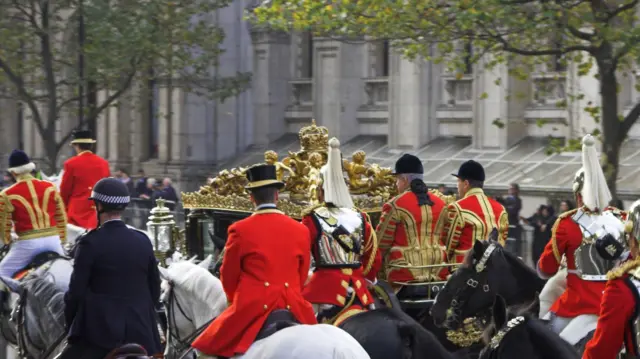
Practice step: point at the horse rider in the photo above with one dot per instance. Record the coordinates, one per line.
(80, 175)
(264, 269)
(407, 230)
(34, 208)
(572, 237)
(473, 217)
(344, 247)
(115, 284)
(618, 323)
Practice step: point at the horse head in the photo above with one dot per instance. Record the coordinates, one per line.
(488, 270)
(37, 322)
(192, 297)
(522, 336)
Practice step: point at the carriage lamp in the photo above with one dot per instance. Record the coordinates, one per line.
(162, 230)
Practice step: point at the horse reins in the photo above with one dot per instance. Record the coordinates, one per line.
(171, 319)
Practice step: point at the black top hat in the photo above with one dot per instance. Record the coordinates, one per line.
(82, 136)
(408, 164)
(262, 176)
(470, 170)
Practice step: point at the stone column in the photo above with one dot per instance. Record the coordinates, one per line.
(271, 89)
(412, 121)
(164, 113)
(102, 139)
(113, 114)
(490, 90)
(176, 124)
(338, 86)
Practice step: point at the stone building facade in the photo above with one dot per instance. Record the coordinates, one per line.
(354, 89)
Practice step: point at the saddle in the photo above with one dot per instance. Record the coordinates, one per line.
(38, 261)
(276, 321)
(128, 351)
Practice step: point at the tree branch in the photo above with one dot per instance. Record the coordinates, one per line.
(47, 62)
(22, 91)
(628, 121)
(126, 84)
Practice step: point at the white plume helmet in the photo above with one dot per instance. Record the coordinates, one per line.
(595, 191)
(333, 183)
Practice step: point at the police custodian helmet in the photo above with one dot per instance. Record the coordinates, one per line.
(111, 193)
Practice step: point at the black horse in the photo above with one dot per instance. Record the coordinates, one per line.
(488, 271)
(522, 337)
(389, 333)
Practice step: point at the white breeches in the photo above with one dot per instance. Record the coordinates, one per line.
(23, 251)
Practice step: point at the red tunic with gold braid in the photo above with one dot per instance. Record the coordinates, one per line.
(80, 175)
(618, 319)
(328, 285)
(470, 219)
(407, 237)
(581, 296)
(34, 207)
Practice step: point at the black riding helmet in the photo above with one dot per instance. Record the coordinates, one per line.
(112, 194)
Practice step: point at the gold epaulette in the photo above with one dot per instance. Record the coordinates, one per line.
(631, 267)
(445, 198)
(310, 209)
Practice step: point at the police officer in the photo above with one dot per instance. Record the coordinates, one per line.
(115, 283)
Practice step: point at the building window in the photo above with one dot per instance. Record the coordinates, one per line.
(468, 58)
(385, 58)
(153, 112)
(306, 55)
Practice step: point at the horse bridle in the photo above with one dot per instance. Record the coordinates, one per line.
(185, 343)
(471, 284)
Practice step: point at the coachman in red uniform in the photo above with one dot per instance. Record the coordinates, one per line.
(343, 246)
(35, 210)
(80, 174)
(473, 216)
(265, 266)
(572, 237)
(407, 230)
(618, 323)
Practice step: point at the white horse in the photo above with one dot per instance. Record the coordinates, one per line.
(193, 297)
(32, 319)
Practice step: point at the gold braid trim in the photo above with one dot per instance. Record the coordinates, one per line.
(623, 269)
(373, 241)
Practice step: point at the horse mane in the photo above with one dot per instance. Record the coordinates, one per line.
(542, 336)
(48, 301)
(197, 281)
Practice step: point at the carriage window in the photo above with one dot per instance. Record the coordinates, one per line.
(206, 226)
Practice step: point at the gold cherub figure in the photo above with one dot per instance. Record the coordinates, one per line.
(271, 158)
(313, 176)
(357, 170)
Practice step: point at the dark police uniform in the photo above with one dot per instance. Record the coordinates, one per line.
(114, 287)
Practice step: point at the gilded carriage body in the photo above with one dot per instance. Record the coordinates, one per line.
(223, 201)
